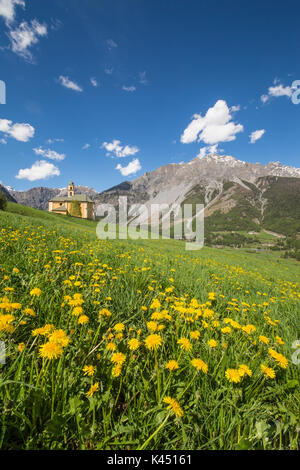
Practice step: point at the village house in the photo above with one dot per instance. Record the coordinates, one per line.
(76, 205)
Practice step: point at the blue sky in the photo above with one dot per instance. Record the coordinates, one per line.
(104, 91)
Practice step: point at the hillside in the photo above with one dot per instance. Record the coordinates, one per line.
(102, 336)
(238, 196)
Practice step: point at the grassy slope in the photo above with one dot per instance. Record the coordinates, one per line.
(221, 416)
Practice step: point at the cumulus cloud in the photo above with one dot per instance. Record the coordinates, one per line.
(129, 88)
(215, 127)
(40, 170)
(21, 132)
(51, 154)
(3, 141)
(256, 135)
(94, 81)
(133, 167)
(8, 9)
(86, 146)
(115, 148)
(67, 83)
(278, 90)
(212, 149)
(24, 36)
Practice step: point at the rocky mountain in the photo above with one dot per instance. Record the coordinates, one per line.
(237, 195)
(6, 193)
(39, 197)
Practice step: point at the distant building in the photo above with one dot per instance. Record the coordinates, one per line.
(77, 205)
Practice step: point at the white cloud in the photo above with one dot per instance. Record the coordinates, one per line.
(39, 170)
(129, 88)
(21, 132)
(67, 83)
(278, 90)
(86, 146)
(212, 149)
(132, 167)
(256, 135)
(5, 125)
(118, 150)
(51, 154)
(8, 9)
(25, 36)
(264, 98)
(234, 109)
(51, 141)
(94, 82)
(3, 141)
(111, 44)
(215, 127)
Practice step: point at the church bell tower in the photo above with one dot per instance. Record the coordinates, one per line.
(71, 190)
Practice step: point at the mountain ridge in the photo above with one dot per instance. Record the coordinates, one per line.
(237, 195)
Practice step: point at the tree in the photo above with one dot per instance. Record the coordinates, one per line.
(75, 209)
(3, 202)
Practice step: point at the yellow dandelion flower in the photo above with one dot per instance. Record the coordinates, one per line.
(21, 347)
(111, 346)
(268, 371)
(29, 311)
(83, 319)
(184, 344)
(116, 370)
(59, 337)
(152, 326)
(153, 341)
(89, 370)
(244, 370)
(119, 327)
(174, 406)
(264, 339)
(279, 340)
(77, 311)
(226, 330)
(36, 292)
(104, 313)
(94, 388)
(233, 375)
(50, 350)
(195, 334)
(133, 344)
(172, 365)
(199, 365)
(155, 304)
(282, 361)
(118, 358)
(212, 343)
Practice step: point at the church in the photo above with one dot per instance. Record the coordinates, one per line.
(76, 205)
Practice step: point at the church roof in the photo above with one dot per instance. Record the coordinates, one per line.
(76, 197)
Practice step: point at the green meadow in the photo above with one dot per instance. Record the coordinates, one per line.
(140, 344)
